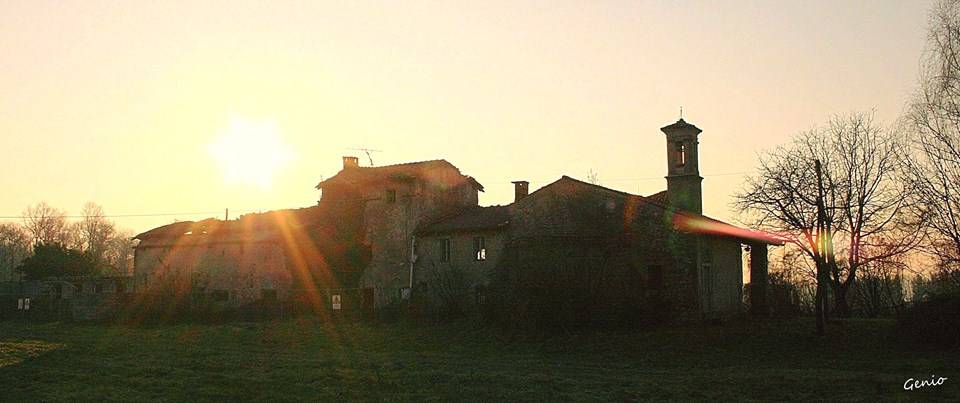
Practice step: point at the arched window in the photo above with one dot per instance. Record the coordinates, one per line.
(681, 153)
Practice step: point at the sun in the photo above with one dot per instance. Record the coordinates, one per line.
(249, 152)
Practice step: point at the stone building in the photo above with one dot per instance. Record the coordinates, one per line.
(395, 200)
(598, 246)
(231, 262)
(416, 229)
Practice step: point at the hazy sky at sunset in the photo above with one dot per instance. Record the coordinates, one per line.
(119, 102)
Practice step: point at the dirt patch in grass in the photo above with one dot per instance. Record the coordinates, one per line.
(14, 352)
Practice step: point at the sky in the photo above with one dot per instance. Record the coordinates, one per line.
(144, 107)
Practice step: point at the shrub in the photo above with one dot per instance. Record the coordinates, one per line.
(932, 322)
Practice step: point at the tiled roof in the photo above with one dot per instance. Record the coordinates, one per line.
(679, 125)
(659, 197)
(398, 172)
(576, 215)
(477, 218)
(247, 228)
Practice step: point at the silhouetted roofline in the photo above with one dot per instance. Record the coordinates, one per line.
(471, 219)
(388, 169)
(680, 125)
(685, 221)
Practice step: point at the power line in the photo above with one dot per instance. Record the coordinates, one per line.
(217, 213)
(633, 179)
(141, 214)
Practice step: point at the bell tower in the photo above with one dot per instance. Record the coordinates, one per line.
(683, 167)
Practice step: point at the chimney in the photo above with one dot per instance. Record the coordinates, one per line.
(520, 190)
(350, 162)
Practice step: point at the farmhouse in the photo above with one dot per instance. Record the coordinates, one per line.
(600, 247)
(266, 256)
(394, 201)
(416, 230)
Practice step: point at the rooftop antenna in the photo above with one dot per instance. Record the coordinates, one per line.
(366, 151)
(681, 112)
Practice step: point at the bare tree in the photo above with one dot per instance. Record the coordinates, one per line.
(593, 177)
(14, 247)
(834, 192)
(118, 254)
(95, 231)
(880, 287)
(46, 225)
(933, 122)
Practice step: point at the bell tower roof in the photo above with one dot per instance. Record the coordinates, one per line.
(680, 125)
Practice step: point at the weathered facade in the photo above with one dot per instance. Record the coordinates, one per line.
(395, 200)
(415, 229)
(65, 298)
(230, 262)
(599, 246)
(458, 255)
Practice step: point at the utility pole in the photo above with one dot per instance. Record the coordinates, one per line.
(823, 237)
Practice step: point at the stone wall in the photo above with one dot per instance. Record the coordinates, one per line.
(236, 273)
(430, 263)
(392, 213)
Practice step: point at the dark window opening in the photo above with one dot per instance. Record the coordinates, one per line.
(444, 250)
(479, 295)
(220, 295)
(268, 295)
(479, 249)
(391, 196)
(655, 277)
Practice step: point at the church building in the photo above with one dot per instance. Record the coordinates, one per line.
(598, 254)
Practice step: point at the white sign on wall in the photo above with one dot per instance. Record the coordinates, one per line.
(20, 304)
(26, 304)
(336, 301)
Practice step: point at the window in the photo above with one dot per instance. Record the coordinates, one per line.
(445, 250)
(655, 277)
(479, 296)
(681, 153)
(220, 295)
(391, 196)
(268, 295)
(479, 249)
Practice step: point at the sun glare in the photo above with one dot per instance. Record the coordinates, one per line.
(250, 152)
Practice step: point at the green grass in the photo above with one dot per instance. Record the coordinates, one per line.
(303, 359)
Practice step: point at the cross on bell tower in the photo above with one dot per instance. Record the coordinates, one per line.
(683, 171)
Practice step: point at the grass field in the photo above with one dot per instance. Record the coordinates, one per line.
(301, 359)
